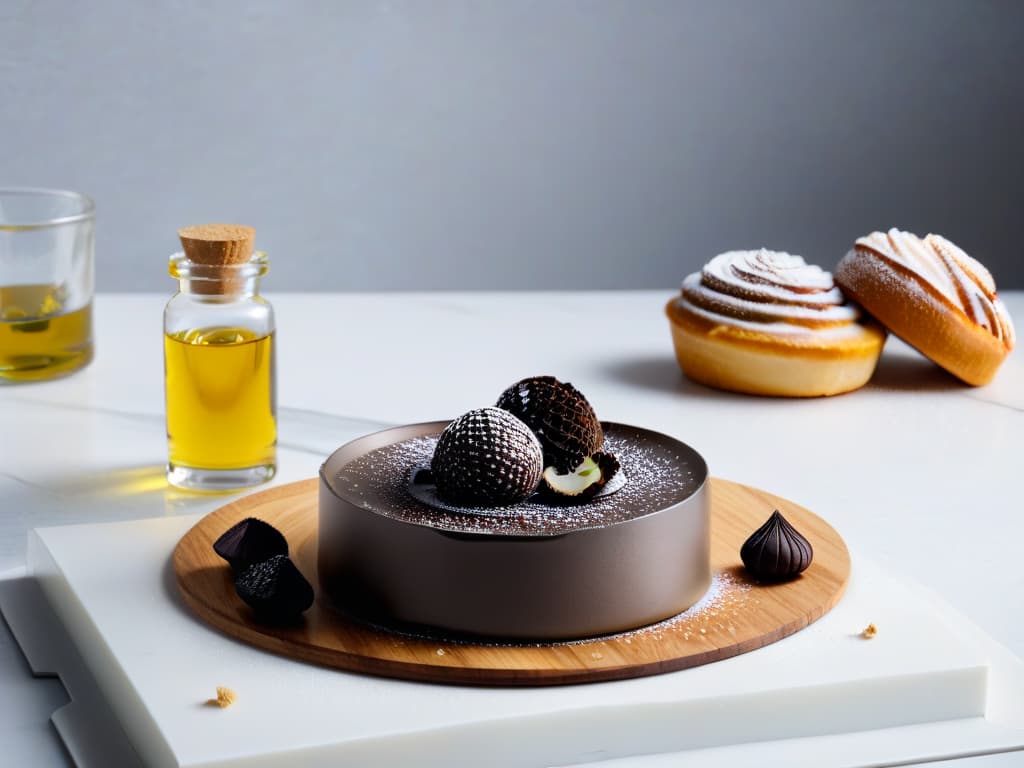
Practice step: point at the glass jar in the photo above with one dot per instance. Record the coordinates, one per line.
(219, 374)
(46, 283)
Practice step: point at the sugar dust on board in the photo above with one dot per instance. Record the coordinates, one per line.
(38, 338)
(220, 398)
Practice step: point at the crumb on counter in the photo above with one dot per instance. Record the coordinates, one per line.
(869, 631)
(225, 697)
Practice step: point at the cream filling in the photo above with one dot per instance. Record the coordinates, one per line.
(780, 328)
(736, 308)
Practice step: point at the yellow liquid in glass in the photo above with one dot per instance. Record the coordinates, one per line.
(221, 399)
(38, 339)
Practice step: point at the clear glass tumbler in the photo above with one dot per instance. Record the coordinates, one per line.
(46, 283)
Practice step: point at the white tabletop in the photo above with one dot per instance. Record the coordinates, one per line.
(915, 470)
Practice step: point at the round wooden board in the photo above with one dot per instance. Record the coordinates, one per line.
(738, 614)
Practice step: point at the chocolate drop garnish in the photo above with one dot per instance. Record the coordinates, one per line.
(776, 551)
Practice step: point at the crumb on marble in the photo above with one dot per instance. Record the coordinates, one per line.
(225, 697)
(869, 631)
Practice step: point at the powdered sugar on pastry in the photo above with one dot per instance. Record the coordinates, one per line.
(961, 280)
(766, 290)
(765, 275)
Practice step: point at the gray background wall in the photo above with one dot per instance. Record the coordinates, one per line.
(519, 144)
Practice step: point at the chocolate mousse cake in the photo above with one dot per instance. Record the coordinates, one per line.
(482, 527)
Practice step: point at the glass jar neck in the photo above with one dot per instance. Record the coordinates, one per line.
(219, 282)
(206, 289)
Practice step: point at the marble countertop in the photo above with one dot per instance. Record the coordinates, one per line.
(916, 471)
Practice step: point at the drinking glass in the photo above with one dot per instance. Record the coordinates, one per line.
(46, 283)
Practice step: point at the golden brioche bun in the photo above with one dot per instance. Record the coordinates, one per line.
(925, 291)
(762, 363)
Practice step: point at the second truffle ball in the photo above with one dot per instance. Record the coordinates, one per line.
(560, 416)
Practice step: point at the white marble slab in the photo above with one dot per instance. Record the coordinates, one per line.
(112, 587)
(917, 471)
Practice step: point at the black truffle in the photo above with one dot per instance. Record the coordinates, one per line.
(248, 542)
(776, 551)
(487, 457)
(560, 416)
(274, 589)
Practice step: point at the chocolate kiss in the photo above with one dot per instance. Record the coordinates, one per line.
(776, 550)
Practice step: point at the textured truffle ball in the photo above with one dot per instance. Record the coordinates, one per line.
(560, 416)
(487, 457)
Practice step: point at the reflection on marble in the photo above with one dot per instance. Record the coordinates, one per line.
(110, 466)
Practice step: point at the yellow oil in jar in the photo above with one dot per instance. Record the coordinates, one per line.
(38, 338)
(221, 399)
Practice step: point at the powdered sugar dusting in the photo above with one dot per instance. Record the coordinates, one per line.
(711, 617)
(766, 275)
(963, 284)
(721, 599)
(914, 254)
(769, 292)
(712, 614)
(660, 473)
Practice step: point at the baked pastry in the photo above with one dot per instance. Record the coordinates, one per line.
(933, 296)
(767, 323)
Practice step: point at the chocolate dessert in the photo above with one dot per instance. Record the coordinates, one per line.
(498, 525)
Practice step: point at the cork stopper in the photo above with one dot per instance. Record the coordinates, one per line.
(218, 245)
